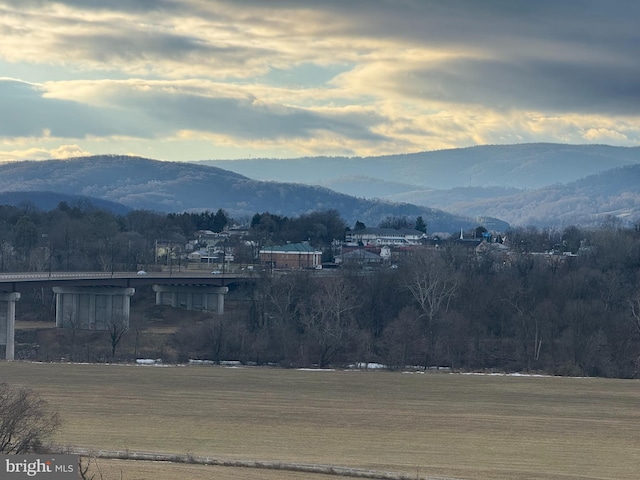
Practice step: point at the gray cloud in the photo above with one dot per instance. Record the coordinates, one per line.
(25, 113)
(138, 6)
(534, 85)
(154, 113)
(247, 118)
(470, 23)
(593, 26)
(408, 69)
(574, 55)
(147, 46)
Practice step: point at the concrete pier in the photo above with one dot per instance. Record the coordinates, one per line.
(205, 298)
(92, 308)
(8, 322)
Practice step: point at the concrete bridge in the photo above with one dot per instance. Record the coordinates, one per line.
(94, 300)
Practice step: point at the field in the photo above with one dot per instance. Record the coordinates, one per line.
(449, 425)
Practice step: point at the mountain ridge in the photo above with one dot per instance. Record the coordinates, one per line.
(191, 186)
(585, 202)
(526, 165)
(516, 183)
(148, 184)
(45, 201)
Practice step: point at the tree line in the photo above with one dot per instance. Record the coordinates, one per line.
(574, 310)
(562, 314)
(80, 237)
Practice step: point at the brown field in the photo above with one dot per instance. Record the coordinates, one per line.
(461, 426)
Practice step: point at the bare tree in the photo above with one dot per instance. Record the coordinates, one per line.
(72, 321)
(528, 325)
(25, 420)
(284, 308)
(40, 259)
(215, 338)
(402, 339)
(328, 317)
(88, 467)
(431, 282)
(635, 321)
(634, 303)
(117, 326)
(84, 464)
(283, 297)
(104, 254)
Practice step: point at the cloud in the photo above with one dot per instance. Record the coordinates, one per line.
(27, 112)
(149, 109)
(359, 77)
(68, 151)
(551, 86)
(63, 151)
(28, 154)
(174, 39)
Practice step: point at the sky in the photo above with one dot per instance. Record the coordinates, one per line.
(191, 80)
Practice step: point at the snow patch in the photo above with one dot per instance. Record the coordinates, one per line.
(368, 366)
(148, 361)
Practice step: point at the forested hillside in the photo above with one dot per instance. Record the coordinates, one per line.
(528, 184)
(140, 183)
(50, 200)
(401, 185)
(586, 202)
(531, 165)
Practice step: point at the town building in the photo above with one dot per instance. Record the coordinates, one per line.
(384, 236)
(359, 256)
(291, 255)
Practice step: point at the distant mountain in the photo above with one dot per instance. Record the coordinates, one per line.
(527, 184)
(524, 166)
(50, 200)
(367, 187)
(607, 182)
(141, 183)
(585, 202)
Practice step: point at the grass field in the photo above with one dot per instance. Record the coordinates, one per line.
(462, 426)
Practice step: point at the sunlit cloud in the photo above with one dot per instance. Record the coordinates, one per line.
(68, 151)
(63, 151)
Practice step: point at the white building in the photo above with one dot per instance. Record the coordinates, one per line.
(384, 236)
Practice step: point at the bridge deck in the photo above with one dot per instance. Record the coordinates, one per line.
(16, 282)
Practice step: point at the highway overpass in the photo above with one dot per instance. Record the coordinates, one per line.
(91, 300)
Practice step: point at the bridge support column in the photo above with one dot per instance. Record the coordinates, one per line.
(92, 308)
(8, 322)
(197, 297)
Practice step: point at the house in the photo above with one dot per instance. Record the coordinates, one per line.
(291, 255)
(384, 236)
(205, 234)
(198, 256)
